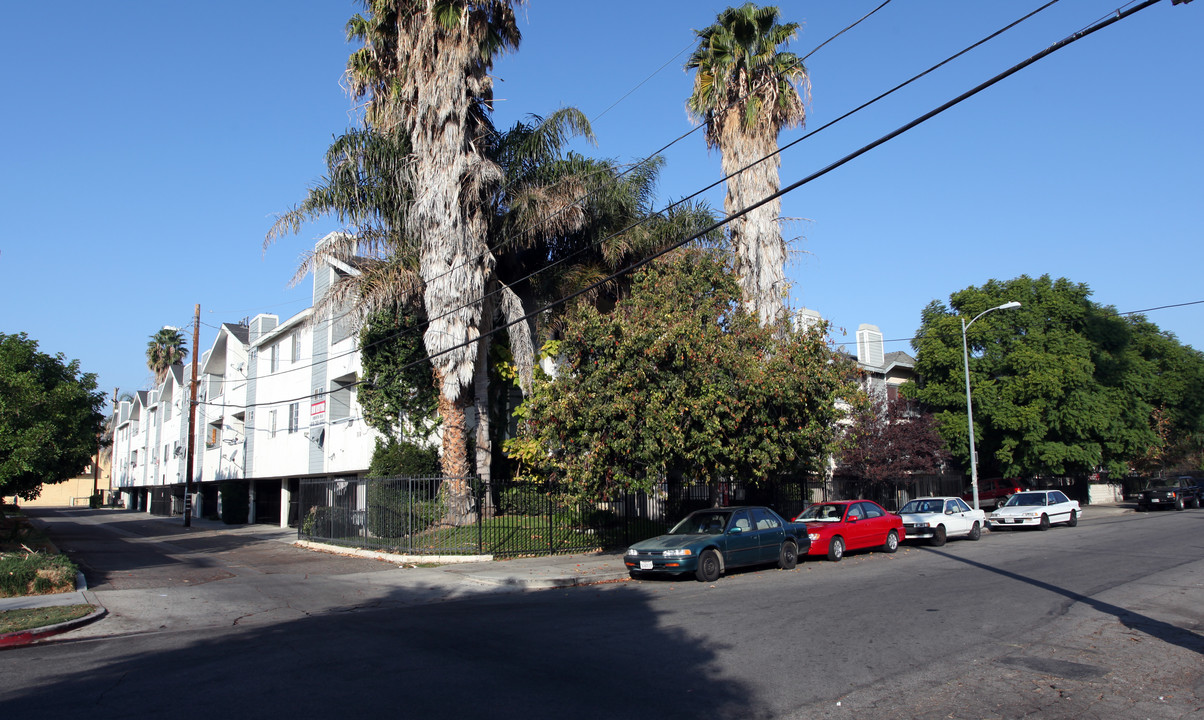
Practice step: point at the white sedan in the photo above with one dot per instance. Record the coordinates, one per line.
(1037, 508)
(937, 518)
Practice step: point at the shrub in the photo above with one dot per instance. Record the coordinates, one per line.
(523, 500)
(403, 459)
(395, 510)
(316, 520)
(35, 574)
(236, 502)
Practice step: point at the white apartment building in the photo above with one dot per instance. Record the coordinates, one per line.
(276, 402)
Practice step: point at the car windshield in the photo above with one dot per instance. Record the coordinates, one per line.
(822, 513)
(924, 506)
(1022, 499)
(702, 523)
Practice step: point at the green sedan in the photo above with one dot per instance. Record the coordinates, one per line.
(708, 542)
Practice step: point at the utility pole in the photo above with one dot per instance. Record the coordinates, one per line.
(196, 334)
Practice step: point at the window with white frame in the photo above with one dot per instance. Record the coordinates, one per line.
(271, 423)
(294, 417)
(274, 358)
(296, 343)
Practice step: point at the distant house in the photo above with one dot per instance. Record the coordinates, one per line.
(884, 371)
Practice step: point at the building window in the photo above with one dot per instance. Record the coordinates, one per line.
(294, 417)
(271, 423)
(340, 398)
(296, 341)
(213, 436)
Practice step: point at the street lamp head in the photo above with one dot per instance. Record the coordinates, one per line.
(1008, 306)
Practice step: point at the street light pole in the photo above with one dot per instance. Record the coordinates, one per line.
(969, 404)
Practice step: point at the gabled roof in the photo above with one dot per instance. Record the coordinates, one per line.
(242, 333)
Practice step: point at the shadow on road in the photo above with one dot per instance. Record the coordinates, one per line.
(1136, 621)
(515, 656)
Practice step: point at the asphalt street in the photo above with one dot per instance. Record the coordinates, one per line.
(1102, 620)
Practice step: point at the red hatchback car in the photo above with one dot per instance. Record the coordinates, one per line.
(835, 527)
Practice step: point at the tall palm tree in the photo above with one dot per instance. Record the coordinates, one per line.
(746, 91)
(165, 348)
(424, 70)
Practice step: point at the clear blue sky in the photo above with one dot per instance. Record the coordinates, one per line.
(148, 146)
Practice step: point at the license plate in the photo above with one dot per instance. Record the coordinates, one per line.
(1155, 500)
(645, 564)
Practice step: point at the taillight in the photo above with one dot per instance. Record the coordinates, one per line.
(1015, 490)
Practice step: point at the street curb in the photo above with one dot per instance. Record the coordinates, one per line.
(393, 557)
(22, 638)
(551, 583)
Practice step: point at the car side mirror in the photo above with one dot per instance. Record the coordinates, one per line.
(735, 530)
(948, 512)
(852, 519)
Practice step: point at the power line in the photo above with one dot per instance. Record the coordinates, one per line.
(632, 167)
(632, 267)
(810, 134)
(829, 168)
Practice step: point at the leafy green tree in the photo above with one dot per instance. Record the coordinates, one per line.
(50, 417)
(1175, 387)
(1061, 386)
(398, 395)
(747, 91)
(679, 382)
(165, 348)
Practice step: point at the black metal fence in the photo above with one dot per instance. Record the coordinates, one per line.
(464, 516)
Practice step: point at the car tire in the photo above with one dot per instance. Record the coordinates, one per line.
(975, 531)
(1074, 519)
(836, 549)
(938, 537)
(1178, 503)
(708, 566)
(1044, 524)
(892, 542)
(1195, 502)
(788, 556)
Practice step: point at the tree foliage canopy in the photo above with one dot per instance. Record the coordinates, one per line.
(398, 396)
(50, 417)
(680, 380)
(1061, 386)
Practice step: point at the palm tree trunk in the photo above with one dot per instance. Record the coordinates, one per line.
(484, 436)
(756, 236)
(456, 490)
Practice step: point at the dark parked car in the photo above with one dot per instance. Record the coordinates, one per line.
(708, 542)
(1178, 493)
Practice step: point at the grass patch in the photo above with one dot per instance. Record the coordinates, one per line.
(29, 562)
(31, 618)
